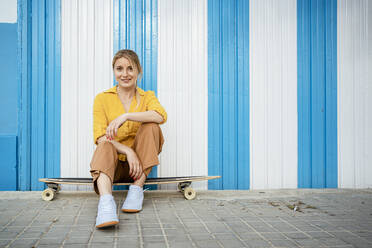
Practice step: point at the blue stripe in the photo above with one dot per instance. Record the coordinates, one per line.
(40, 101)
(228, 94)
(53, 89)
(9, 106)
(317, 93)
(24, 82)
(242, 98)
(38, 95)
(136, 28)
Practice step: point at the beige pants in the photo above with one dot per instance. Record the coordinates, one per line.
(147, 145)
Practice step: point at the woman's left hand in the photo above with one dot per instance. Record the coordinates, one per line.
(112, 129)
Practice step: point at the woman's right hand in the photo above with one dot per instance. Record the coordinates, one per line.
(135, 167)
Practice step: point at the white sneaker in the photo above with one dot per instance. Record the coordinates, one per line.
(134, 200)
(106, 215)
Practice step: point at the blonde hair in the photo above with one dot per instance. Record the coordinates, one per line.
(131, 56)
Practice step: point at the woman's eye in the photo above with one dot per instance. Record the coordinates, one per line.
(130, 68)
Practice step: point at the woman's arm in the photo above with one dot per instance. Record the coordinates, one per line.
(147, 116)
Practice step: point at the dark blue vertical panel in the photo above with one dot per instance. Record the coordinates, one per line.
(38, 85)
(242, 98)
(317, 93)
(228, 93)
(24, 82)
(215, 114)
(53, 88)
(331, 94)
(136, 28)
(229, 135)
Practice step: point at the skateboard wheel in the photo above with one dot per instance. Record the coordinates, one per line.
(48, 194)
(189, 193)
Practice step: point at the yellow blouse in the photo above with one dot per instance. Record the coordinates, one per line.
(107, 107)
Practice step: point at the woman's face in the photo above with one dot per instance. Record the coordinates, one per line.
(125, 73)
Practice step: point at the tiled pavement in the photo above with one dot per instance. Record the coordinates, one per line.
(323, 218)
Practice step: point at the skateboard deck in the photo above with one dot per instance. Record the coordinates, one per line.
(184, 183)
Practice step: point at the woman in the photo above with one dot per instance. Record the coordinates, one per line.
(126, 130)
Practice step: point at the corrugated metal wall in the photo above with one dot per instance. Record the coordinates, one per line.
(226, 73)
(273, 94)
(87, 46)
(40, 98)
(228, 93)
(317, 93)
(355, 93)
(182, 87)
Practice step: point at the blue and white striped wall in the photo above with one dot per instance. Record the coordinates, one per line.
(266, 94)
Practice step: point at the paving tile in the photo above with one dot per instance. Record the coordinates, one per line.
(257, 243)
(207, 243)
(4, 242)
(23, 243)
(155, 244)
(283, 243)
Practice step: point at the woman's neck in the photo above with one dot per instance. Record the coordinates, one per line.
(126, 93)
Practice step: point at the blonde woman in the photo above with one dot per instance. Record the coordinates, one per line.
(126, 130)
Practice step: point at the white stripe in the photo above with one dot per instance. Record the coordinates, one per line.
(8, 11)
(273, 93)
(183, 87)
(354, 45)
(86, 54)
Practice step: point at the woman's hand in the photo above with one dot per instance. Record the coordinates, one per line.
(135, 167)
(112, 129)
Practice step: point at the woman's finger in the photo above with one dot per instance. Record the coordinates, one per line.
(112, 132)
(135, 174)
(108, 133)
(130, 168)
(134, 170)
(138, 171)
(116, 130)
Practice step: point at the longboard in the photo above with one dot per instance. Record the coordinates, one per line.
(184, 184)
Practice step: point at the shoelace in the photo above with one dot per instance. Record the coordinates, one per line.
(131, 194)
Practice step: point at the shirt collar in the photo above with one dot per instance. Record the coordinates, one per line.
(115, 91)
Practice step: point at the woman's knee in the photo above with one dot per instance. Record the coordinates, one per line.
(149, 127)
(105, 156)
